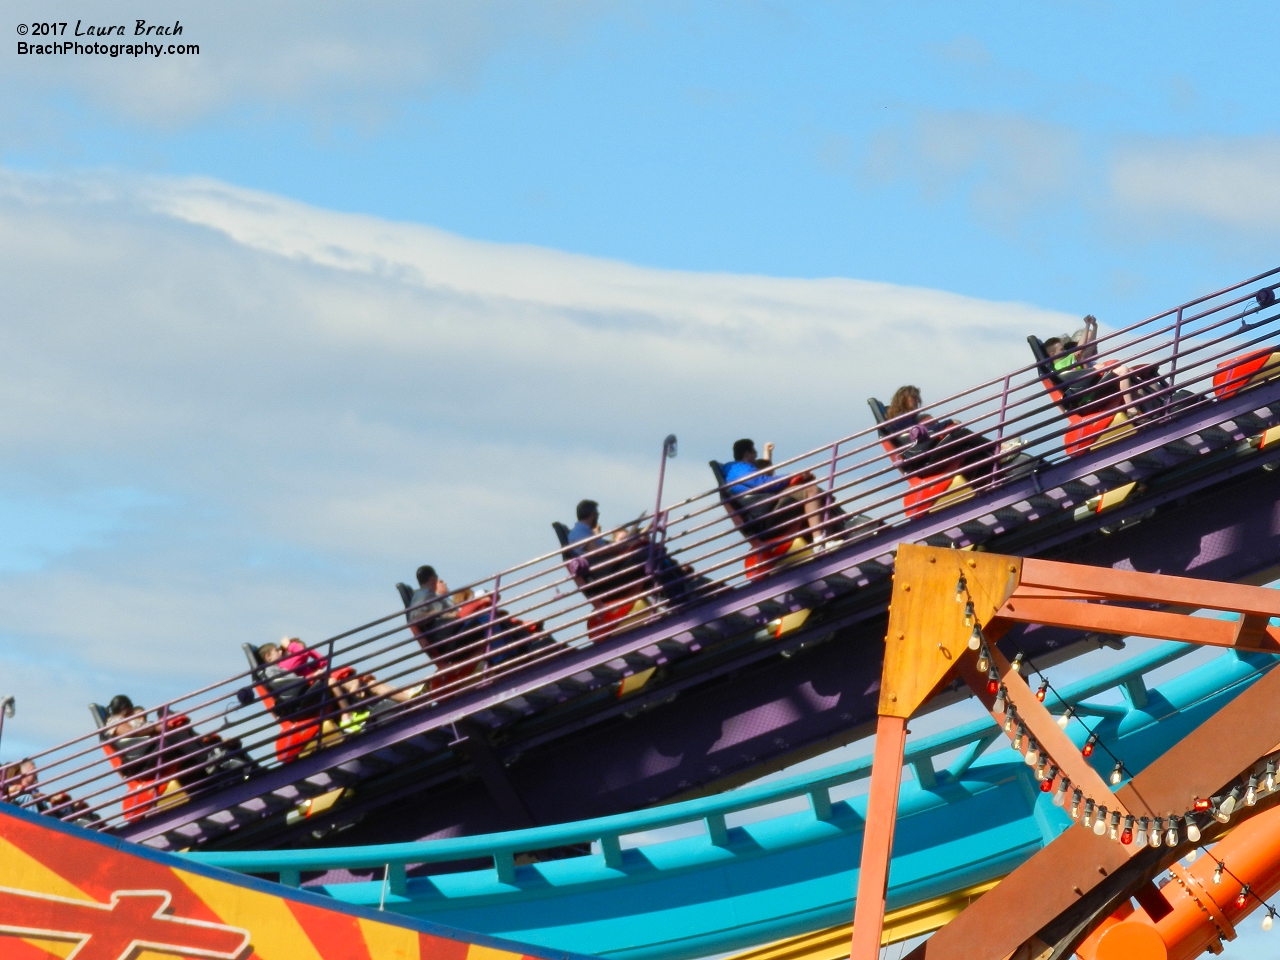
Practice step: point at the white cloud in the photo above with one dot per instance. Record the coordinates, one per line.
(1233, 183)
(336, 61)
(304, 405)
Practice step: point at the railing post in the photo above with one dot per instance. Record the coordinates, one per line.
(1173, 365)
(1004, 405)
(828, 511)
(493, 613)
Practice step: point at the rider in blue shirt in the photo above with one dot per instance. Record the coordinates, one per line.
(745, 462)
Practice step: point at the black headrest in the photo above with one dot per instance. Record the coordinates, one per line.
(1037, 349)
(562, 533)
(99, 714)
(406, 593)
(251, 654)
(717, 468)
(878, 410)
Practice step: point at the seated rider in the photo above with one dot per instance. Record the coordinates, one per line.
(941, 446)
(676, 580)
(293, 656)
(430, 605)
(1083, 381)
(585, 534)
(751, 475)
(21, 788)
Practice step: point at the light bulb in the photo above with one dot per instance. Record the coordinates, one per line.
(1033, 754)
(1019, 735)
(1060, 795)
(1114, 832)
(1010, 720)
(1126, 835)
(1171, 835)
(1000, 706)
(1193, 831)
(1117, 774)
(1043, 691)
(984, 659)
(1042, 764)
(1088, 812)
(1087, 749)
(1202, 806)
(1076, 796)
(968, 614)
(1243, 896)
(1251, 792)
(1142, 832)
(1191, 855)
(1017, 663)
(1100, 820)
(1065, 717)
(1157, 832)
(993, 683)
(1269, 919)
(1270, 780)
(1217, 872)
(1230, 802)
(961, 587)
(1046, 784)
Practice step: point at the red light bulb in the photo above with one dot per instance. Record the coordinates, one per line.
(993, 686)
(1087, 749)
(1044, 689)
(1046, 785)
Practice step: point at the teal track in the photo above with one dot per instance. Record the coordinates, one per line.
(790, 866)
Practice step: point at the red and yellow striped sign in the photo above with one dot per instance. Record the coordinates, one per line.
(70, 894)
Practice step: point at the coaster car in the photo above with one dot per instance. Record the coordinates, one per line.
(935, 481)
(306, 710)
(615, 578)
(773, 523)
(162, 755)
(455, 641)
(1240, 373)
(1091, 399)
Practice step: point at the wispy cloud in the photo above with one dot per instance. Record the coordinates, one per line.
(1007, 165)
(305, 405)
(1229, 182)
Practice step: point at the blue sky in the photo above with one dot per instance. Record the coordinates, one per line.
(338, 296)
(969, 148)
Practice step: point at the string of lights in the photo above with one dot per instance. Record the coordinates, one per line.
(1093, 813)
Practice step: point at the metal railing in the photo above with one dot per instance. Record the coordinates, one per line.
(555, 604)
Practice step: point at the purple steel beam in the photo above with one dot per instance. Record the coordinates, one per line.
(420, 721)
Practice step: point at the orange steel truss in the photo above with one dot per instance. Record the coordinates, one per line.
(928, 646)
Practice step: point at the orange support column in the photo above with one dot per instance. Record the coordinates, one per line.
(877, 838)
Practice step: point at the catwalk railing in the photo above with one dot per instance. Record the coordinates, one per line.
(494, 630)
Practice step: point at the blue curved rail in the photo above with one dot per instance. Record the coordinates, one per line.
(793, 872)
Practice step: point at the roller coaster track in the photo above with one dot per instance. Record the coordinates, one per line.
(642, 693)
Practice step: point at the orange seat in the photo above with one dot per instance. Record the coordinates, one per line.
(1236, 374)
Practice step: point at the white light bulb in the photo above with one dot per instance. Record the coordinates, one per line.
(1191, 855)
(1193, 832)
(1060, 794)
(1064, 719)
(1100, 821)
(1033, 754)
(1157, 833)
(1267, 922)
(1228, 804)
(975, 638)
